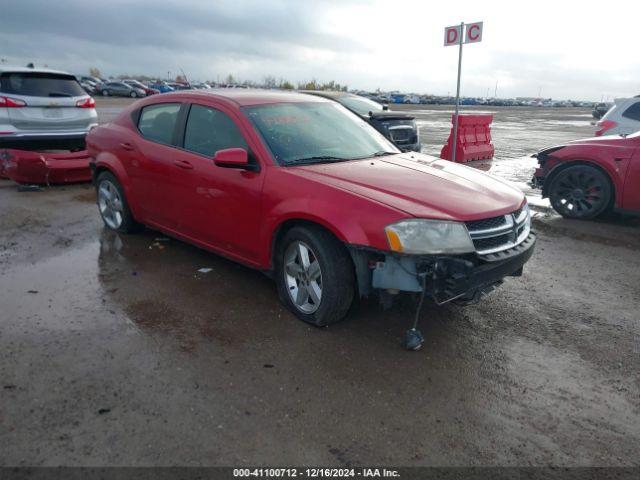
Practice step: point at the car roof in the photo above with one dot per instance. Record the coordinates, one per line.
(247, 97)
(7, 68)
(328, 94)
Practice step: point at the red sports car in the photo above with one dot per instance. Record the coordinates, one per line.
(585, 178)
(300, 187)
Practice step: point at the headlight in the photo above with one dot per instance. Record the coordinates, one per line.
(421, 236)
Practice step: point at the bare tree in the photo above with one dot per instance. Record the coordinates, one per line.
(269, 81)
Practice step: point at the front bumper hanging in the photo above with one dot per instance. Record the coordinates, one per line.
(445, 278)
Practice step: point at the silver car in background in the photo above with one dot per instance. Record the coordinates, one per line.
(43, 108)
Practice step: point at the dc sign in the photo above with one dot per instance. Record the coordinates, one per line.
(472, 34)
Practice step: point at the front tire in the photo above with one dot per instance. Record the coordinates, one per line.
(580, 192)
(315, 276)
(134, 94)
(105, 93)
(113, 206)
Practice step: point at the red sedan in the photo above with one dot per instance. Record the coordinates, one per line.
(585, 178)
(300, 187)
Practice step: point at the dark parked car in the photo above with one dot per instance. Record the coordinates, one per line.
(599, 110)
(400, 128)
(119, 89)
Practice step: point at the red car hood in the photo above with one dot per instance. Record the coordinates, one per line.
(621, 147)
(608, 141)
(421, 186)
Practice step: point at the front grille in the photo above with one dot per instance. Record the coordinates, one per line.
(486, 223)
(496, 234)
(518, 212)
(490, 243)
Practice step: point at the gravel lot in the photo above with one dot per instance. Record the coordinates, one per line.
(114, 350)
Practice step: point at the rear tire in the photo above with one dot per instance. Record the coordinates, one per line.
(314, 275)
(105, 93)
(580, 192)
(113, 206)
(133, 95)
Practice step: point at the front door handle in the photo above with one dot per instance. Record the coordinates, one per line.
(183, 164)
(127, 146)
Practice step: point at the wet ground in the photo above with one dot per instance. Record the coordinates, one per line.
(517, 133)
(115, 350)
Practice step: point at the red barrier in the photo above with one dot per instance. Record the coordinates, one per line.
(474, 139)
(28, 167)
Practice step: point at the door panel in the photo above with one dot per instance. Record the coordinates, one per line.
(152, 168)
(218, 206)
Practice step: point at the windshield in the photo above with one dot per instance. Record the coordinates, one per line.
(316, 132)
(360, 105)
(40, 84)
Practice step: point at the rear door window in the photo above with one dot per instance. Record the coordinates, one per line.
(633, 112)
(158, 122)
(209, 130)
(40, 84)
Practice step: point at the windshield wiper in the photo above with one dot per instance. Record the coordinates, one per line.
(316, 159)
(383, 153)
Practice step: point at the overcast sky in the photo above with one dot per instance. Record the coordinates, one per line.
(579, 50)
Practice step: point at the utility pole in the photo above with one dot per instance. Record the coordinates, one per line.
(455, 117)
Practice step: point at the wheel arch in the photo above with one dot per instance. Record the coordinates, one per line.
(106, 162)
(287, 224)
(564, 165)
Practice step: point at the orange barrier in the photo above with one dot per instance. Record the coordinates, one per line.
(474, 139)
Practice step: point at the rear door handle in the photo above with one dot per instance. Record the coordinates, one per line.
(127, 146)
(183, 164)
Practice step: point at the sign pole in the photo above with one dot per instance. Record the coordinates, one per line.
(455, 116)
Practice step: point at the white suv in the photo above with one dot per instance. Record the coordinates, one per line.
(43, 107)
(621, 119)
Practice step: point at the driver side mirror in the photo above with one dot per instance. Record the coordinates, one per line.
(232, 158)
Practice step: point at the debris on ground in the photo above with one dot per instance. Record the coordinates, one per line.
(29, 188)
(205, 270)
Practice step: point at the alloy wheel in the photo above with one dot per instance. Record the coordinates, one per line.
(578, 193)
(110, 204)
(303, 277)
